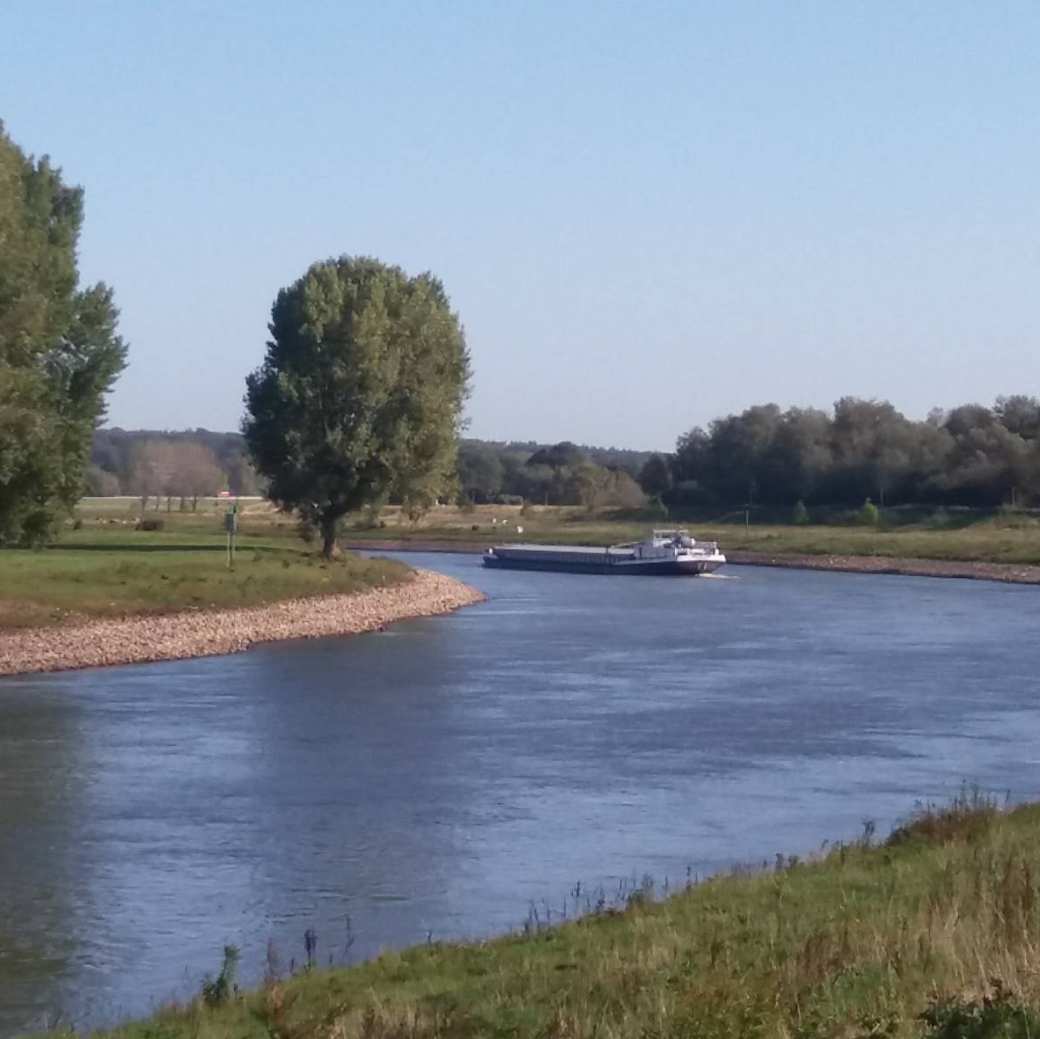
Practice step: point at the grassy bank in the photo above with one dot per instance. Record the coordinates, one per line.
(108, 568)
(993, 539)
(934, 933)
(107, 565)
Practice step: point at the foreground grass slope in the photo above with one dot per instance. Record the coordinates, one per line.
(935, 933)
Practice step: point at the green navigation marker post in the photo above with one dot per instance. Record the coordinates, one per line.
(231, 526)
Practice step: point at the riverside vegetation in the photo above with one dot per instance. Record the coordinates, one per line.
(933, 933)
(980, 536)
(107, 565)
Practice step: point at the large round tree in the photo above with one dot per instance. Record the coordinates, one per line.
(360, 394)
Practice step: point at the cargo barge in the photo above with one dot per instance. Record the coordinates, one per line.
(672, 553)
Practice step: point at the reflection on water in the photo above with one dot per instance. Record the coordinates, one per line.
(436, 778)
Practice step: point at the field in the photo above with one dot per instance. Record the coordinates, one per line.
(108, 568)
(1013, 538)
(933, 933)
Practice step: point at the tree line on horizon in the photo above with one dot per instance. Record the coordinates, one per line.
(182, 465)
(972, 455)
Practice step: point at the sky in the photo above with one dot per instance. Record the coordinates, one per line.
(647, 214)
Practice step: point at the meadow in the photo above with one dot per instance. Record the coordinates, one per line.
(975, 537)
(107, 565)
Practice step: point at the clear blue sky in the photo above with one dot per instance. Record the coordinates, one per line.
(647, 214)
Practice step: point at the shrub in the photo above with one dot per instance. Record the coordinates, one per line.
(999, 1016)
(966, 818)
(869, 515)
(220, 989)
(656, 508)
(800, 515)
(150, 523)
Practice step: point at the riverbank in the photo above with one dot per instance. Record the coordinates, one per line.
(930, 934)
(210, 632)
(1006, 547)
(1011, 573)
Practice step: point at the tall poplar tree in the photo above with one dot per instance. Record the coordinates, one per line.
(360, 394)
(59, 351)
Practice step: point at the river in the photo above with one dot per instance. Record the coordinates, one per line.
(436, 779)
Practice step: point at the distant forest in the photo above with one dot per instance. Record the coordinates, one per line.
(190, 464)
(971, 455)
(864, 449)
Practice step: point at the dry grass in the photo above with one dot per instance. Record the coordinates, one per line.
(865, 941)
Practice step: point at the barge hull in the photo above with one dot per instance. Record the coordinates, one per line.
(663, 567)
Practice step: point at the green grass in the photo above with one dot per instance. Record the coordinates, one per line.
(934, 933)
(107, 569)
(1010, 539)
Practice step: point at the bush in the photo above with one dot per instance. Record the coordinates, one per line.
(999, 1016)
(216, 991)
(940, 519)
(869, 515)
(150, 523)
(966, 818)
(656, 508)
(800, 515)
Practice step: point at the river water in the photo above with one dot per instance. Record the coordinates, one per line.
(437, 779)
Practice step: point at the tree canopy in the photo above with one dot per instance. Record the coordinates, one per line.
(972, 455)
(59, 351)
(360, 393)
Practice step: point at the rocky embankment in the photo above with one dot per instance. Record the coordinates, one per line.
(1012, 573)
(200, 633)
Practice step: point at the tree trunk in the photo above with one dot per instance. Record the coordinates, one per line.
(329, 548)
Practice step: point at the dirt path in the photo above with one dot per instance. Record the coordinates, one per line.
(102, 643)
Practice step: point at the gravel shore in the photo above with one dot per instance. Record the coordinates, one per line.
(1011, 573)
(133, 640)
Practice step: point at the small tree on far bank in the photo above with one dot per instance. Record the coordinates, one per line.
(655, 477)
(360, 394)
(869, 515)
